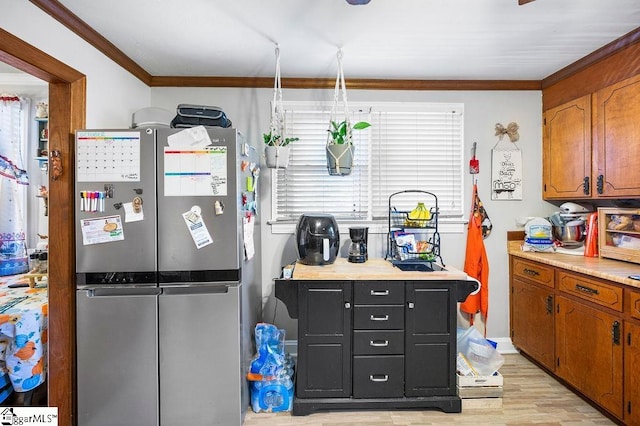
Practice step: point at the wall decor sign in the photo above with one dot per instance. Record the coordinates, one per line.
(506, 165)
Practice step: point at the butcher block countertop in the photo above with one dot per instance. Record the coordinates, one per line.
(608, 269)
(372, 269)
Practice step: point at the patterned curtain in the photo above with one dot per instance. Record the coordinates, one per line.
(13, 185)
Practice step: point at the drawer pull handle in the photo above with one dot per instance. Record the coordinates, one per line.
(379, 318)
(379, 343)
(379, 378)
(587, 290)
(531, 272)
(379, 293)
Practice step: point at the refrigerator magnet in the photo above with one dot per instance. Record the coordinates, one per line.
(197, 228)
(101, 230)
(250, 183)
(131, 214)
(218, 207)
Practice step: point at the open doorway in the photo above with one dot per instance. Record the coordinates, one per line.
(24, 233)
(67, 100)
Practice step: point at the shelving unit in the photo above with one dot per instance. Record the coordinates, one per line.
(413, 241)
(42, 152)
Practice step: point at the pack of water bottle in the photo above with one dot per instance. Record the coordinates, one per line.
(271, 373)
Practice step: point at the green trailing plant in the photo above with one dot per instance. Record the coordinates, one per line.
(339, 131)
(274, 139)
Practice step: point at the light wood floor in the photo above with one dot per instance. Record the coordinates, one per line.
(530, 396)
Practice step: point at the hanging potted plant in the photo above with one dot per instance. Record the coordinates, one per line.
(339, 138)
(276, 150)
(340, 147)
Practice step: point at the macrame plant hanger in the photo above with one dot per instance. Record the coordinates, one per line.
(277, 124)
(340, 169)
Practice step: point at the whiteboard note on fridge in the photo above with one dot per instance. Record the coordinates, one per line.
(195, 172)
(108, 156)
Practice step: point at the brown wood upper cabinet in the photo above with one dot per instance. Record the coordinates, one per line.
(591, 145)
(617, 140)
(566, 147)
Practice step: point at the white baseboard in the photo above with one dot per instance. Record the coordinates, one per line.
(504, 345)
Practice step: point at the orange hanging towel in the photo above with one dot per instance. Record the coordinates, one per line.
(476, 263)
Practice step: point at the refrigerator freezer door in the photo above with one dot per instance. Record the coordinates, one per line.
(194, 180)
(118, 164)
(200, 361)
(117, 361)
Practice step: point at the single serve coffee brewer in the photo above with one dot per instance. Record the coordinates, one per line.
(358, 246)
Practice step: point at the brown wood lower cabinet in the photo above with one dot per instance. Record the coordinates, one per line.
(589, 352)
(532, 321)
(632, 374)
(582, 329)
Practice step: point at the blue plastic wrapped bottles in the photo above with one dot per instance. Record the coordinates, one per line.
(271, 373)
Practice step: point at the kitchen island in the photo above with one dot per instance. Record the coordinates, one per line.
(371, 336)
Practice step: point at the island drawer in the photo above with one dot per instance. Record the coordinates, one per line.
(378, 376)
(378, 317)
(589, 289)
(378, 293)
(532, 271)
(378, 342)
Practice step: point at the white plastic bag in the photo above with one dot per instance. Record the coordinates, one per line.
(481, 354)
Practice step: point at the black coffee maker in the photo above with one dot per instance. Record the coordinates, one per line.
(358, 246)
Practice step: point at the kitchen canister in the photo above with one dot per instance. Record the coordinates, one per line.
(591, 242)
(538, 235)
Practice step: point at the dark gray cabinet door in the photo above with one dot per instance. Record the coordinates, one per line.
(324, 339)
(200, 350)
(117, 358)
(430, 327)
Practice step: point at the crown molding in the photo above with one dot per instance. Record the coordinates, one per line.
(353, 83)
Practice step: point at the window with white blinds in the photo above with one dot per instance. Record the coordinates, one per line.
(408, 146)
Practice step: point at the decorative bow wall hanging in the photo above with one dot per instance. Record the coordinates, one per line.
(506, 165)
(511, 131)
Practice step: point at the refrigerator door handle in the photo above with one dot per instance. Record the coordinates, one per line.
(124, 291)
(209, 289)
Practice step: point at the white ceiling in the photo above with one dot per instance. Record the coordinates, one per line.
(386, 39)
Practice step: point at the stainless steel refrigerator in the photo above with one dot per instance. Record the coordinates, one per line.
(165, 296)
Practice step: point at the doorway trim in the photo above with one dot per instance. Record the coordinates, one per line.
(67, 112)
